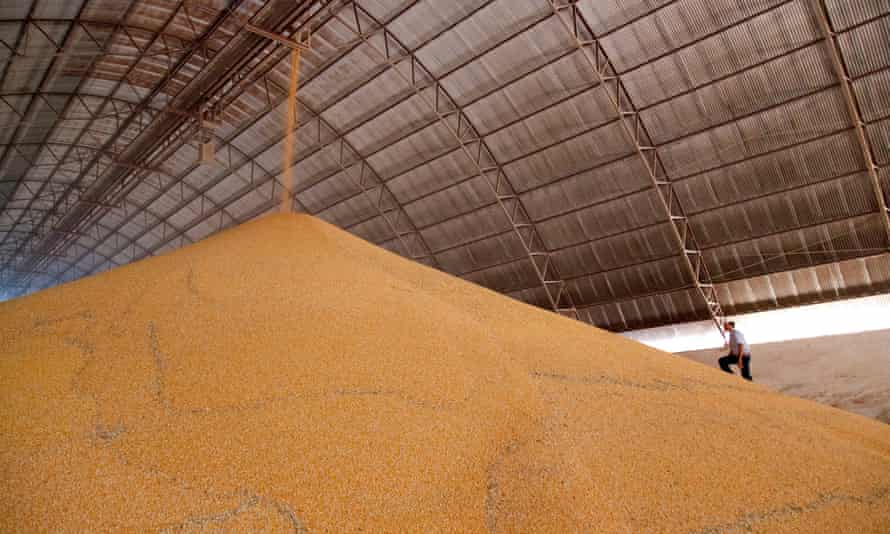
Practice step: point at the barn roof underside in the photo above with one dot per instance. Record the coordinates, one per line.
(630, 162)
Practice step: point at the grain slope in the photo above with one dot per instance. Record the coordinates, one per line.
(286, 376)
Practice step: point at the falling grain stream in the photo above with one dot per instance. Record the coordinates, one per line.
(287, 166)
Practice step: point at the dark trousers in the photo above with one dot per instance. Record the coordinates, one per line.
(732, 359)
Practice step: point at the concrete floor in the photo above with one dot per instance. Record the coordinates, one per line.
(850, 372)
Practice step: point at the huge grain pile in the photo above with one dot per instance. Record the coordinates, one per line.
(287, 376)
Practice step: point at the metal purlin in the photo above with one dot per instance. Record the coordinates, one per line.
(69, 261)
(845, 80)
(402, 98)
(124, 205)
(632, 155)
(167, 187)
(108, 161)
(258, 175)
(587, 43)
(369, 182)
(110, 232)
(475, 148)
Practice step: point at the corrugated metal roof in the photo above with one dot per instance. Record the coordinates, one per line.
(412, 111)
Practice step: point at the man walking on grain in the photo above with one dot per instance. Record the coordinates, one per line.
(739, 352)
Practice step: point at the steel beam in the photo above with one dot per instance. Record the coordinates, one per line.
(749, 309)
(91, 68)
(633, 230)
(592, 86)
(81, 97)
(290, 43)
(724, 244)
(265, 177)
(162, 142)
(627, 194)
(361, 35)
(45, 80)
(113, 158)
(455, 120)
(187, 194)
(579, 30)
(648, 260)
(20, 35)
(367, 179)
(840, 70)
(408, 94)
(389, 65)
(639, 109)
(10, 256)
(591, 129)
(451, 150)
(747, 18)
(718, 207)
(170, 43)
(714, 81)
(636, 298)
(381, 197)
(147, 99)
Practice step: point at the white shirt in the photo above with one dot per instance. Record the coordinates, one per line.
(737, 338)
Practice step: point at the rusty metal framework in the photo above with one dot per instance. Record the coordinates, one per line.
(580, 156)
